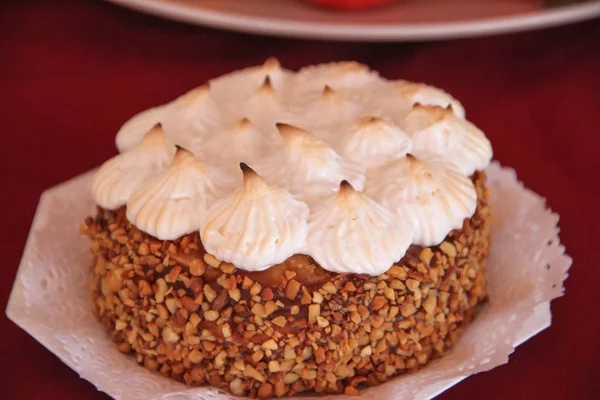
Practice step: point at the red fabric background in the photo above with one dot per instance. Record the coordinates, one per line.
(71, 72)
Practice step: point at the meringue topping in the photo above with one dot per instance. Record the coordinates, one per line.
(242, 141)
(437, 130)
(189, 112)
(375, 141)
(176, 201)
(233, 90)
(264, 107)
(351, 233)
(336, 75)
(118, 178)
(429, 95)
(431, 195)
(257, 226)
(307, 166)
(303, 133)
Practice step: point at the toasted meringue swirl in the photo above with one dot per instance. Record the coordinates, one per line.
(256, 226)
(307, 166)
(176, 201)
(437, 130)
(121, 176)
(349, 232)
(432, 195)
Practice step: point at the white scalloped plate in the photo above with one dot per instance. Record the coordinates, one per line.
(406, 20)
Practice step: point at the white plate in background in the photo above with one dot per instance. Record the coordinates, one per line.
(405, 20)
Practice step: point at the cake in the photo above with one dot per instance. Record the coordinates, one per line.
(273, 232)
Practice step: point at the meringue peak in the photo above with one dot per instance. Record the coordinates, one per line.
(246, 170)
(118, 178)
(243, 125)
(345, 193)
(374, 141)
(346, 188)
(156, 136)
(300, 143)
(331, 97)
(431, 195)
(328, 92)
(266, 88)
(369, 121)
(176, 201)
(271, 63)
(253, 182)
(257, 226)
(182, 155)
(345, 185)
(437, 130)
(308, 166)
(290, 132)
(352, 233)
(437, 113)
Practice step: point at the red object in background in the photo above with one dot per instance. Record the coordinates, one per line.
(349, 4)
(72, 71)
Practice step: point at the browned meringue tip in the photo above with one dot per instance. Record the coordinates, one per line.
(368, 121)
(435, 110)
(328, 92)
(287, 131)
(246, 170)
(345, 192)
(157, 126)
(243, 124)
(181, 154)
(266, 87)
(272, 63)
(156, 132)
(345, 186)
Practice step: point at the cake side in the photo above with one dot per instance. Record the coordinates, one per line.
(292, 328)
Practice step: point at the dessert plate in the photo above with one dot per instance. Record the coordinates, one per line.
(404, 20)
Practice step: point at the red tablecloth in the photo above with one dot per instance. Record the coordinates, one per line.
(71, 72)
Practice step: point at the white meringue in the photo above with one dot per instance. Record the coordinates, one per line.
(436, 130)
(118, 178)
(428, 95)
(431, 195)
(256, 227)
(376, 141)
(137, 126)
(176, 202)
(351, 233)
(265, 108)
(326, 114)
(336, 75)
(406, 143)
(242, 141)
(233, 90)
(189, 113)
(308, 167)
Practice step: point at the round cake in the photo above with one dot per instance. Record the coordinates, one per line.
(276, 232)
